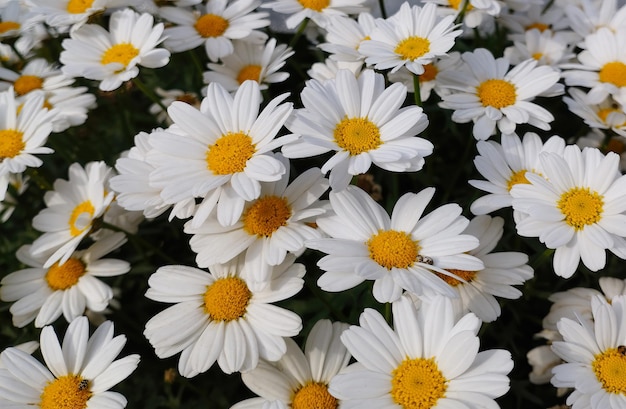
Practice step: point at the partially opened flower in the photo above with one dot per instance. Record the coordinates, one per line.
(78, 371)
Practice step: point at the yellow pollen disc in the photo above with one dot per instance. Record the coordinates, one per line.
(190, 99)
(211, 25)
(227, 299)
(316, 5)
(537, 56)
(11, 143)
(604, 113)
(391, 248)
(80, 219)
(314, 395)
(581, 207)
(456, 4)
(539, 26)
(610, 369)
(417, 384)
(78, 6)
(66, 275)
(496, 93)
(249, 72)
(230, 154)
(266, 215)
(429, 74)
(412, 48)
(517, 177)
(27, 83)
(357, 135)
(614, 73)
(65, 392)
(8, 26)
(120, 53)
(465, 275)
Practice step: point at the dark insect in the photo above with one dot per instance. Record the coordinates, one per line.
(621, 349)
(424, 259)
(82, 385)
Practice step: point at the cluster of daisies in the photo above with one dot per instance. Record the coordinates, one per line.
(259, 172)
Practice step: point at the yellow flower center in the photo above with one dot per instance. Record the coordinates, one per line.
(266, 215)
(119, 53)
(249, 72)
(417, 384)
(227, 299)
(66, 275)
(539, 26)
(11, 143)
(581, 207)
(456, 4)
(80, 219)
(496, 93)
(66, 392)
(78, 6)
(517, 177)
(614, 73)
(610, 369)
(537, 56)
(465, 275)
(27, 83)
(412, 48)
(317, 5)
(314, 395)
(429, 74)
(391, 248)
(230, 154)
(211, 25)
(357, 135)
(6, 26)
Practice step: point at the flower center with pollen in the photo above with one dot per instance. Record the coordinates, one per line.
(517, 177)
(266, 215)
(314, 395)
(227, 299)
(211, 25)
(66, 275)
(391, 248)
(81, 217)
(357, 135)
(463, 274)
(230, 154)
(581, 207)
(78, 6)
(412, 48)
(26, 83)
(610, 369)
(456, 4)
(11, 143)
(249, 72)
(496, 93)
(614, 73)
(65, 392)
(121, 53)
(417, 384)
(316, 5)
(429, 74)
(8, 26)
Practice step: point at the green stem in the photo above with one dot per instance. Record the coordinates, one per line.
(461, 15)
(416, 90)
(299, 33)
(149, 93)
(383, 12)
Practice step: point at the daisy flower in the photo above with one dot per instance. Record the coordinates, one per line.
(78, 371)
(31, 77)
(218, 316)
(505, 165)
(575, 207)
(602, 66)
(593, 355)
(276, 223)
(215, 28)
(475, 10)
(64, 15)
(300, 378)
(23, 132)
(413, 37)
(250, 61)
(607, 114)
(429, 359)
(322, 71)
(14, 19)
(487, 93)
(43, 294)
(71, 211)
(543, 46)
(320, 11)
(400, 252)
(363, 122)
(590, 15)
(550, 21)
(112, 57)
(345, 35)
(132, 184)
(478, 290)
(220, 153)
